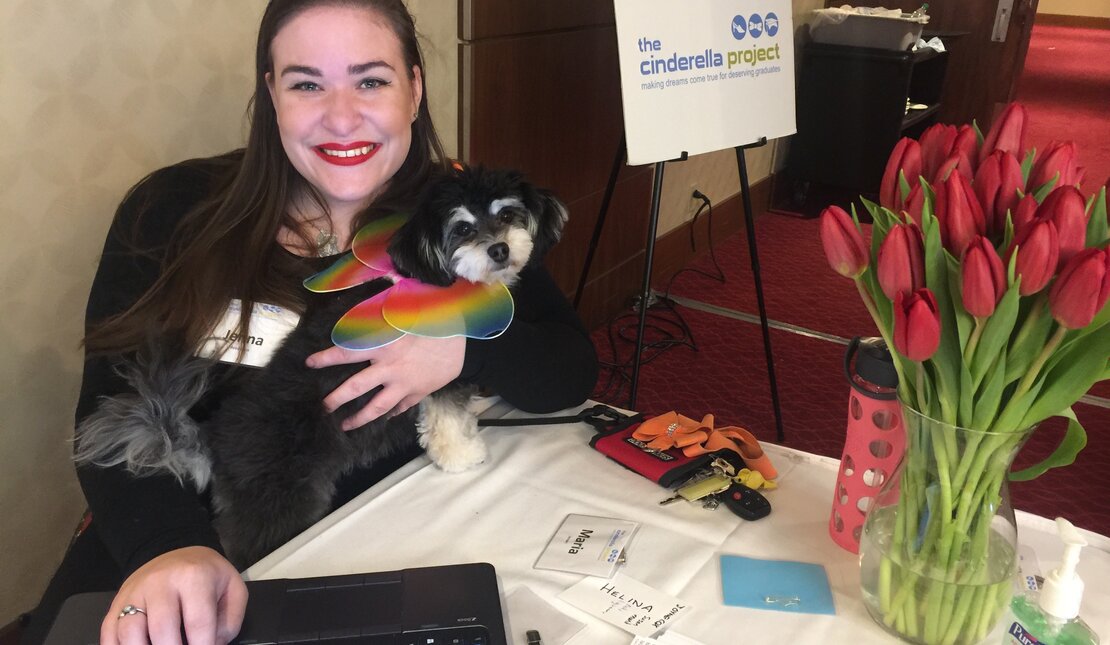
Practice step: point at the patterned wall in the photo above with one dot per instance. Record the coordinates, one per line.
(94, 94)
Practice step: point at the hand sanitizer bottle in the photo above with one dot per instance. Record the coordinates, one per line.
(1053, 616)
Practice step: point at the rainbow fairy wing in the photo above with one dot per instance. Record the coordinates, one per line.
(465, 308)
(345, 273)
(372, 241)
(364, 326)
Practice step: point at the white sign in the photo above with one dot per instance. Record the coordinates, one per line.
(704, 75)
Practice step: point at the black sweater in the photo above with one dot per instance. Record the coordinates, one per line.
(544, 362)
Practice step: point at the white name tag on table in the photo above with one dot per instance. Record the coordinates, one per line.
(629, 604)
(588, 544)
(270, 324)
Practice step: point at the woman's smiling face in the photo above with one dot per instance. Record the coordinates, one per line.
(345, 102)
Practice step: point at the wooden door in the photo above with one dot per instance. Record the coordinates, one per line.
(540, 92)
(982, 74)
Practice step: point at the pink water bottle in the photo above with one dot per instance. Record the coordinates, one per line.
(875, 440)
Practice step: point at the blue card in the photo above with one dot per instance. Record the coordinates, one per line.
(782, 585)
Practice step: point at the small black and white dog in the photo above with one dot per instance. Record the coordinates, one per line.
(270, 453)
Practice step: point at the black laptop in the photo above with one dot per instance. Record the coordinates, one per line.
(445, 605)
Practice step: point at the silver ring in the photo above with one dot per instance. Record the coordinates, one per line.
(130, 610)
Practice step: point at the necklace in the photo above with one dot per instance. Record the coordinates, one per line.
(326, 242)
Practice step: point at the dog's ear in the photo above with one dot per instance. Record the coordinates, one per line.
(550, 217)
(417, 251)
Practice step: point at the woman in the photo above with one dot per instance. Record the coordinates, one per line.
(340, 135)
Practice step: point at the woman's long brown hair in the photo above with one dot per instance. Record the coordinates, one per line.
(226, 246)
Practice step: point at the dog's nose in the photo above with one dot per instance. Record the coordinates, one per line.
(499, 252)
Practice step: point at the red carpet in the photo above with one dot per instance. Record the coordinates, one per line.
(798, 287)
(727, 375)
(1066, 86)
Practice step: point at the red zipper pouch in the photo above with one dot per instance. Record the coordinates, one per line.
(664, 467)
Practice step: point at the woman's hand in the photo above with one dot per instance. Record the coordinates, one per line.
(194, 587)
(407, 369)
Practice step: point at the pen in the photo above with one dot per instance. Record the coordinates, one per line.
(533, 637)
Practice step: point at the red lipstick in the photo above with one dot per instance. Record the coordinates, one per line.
(346, 154)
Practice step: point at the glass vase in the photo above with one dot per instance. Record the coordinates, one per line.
(938, 552)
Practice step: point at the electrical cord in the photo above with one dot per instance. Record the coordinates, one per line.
(663, 323)
(664, 328)
(720, 274)
(705, 203)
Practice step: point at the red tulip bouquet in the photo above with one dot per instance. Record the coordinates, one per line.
(987, 273)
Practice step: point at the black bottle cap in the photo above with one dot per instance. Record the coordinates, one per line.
(874, 364)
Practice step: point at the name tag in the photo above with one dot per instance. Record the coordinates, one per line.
(270, 324)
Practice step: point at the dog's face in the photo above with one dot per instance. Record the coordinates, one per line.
(480, 225)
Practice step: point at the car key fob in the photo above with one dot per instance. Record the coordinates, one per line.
(745, 502)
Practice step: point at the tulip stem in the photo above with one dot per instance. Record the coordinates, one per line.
(924, 405)
(869, 302)
(1035, 368)
(973, 341)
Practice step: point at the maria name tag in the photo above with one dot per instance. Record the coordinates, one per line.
(269, 326)
(587, 544)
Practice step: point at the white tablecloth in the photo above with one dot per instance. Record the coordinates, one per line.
(504, 512)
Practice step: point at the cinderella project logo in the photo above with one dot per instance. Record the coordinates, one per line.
(755, 26)
(676, 68)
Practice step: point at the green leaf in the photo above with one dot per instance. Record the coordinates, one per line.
(1014, 410)
(878, 234)
(1074, 370)
(999, 328)
(886, 221)
(1034, 333)
(978, 132)
(935, 263)
(1101, 319)
(964, 322)
(881, 216)
(883, 306)
(1105, 373)
(892, 218)
(949, 355)
(1075, 439)
(928, 393)
(872, 207)
(986, 405)
(1027, 165)
(855, 217)
(903, 185)
(1045, 189)
(1096, 224)
(1007, 237)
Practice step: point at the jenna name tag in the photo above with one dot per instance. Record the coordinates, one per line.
(270, 324)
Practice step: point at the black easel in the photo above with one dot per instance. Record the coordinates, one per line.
(610, 188)
(645, 292)
(749, 223)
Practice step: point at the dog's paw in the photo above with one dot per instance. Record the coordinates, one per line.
(454, 454)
